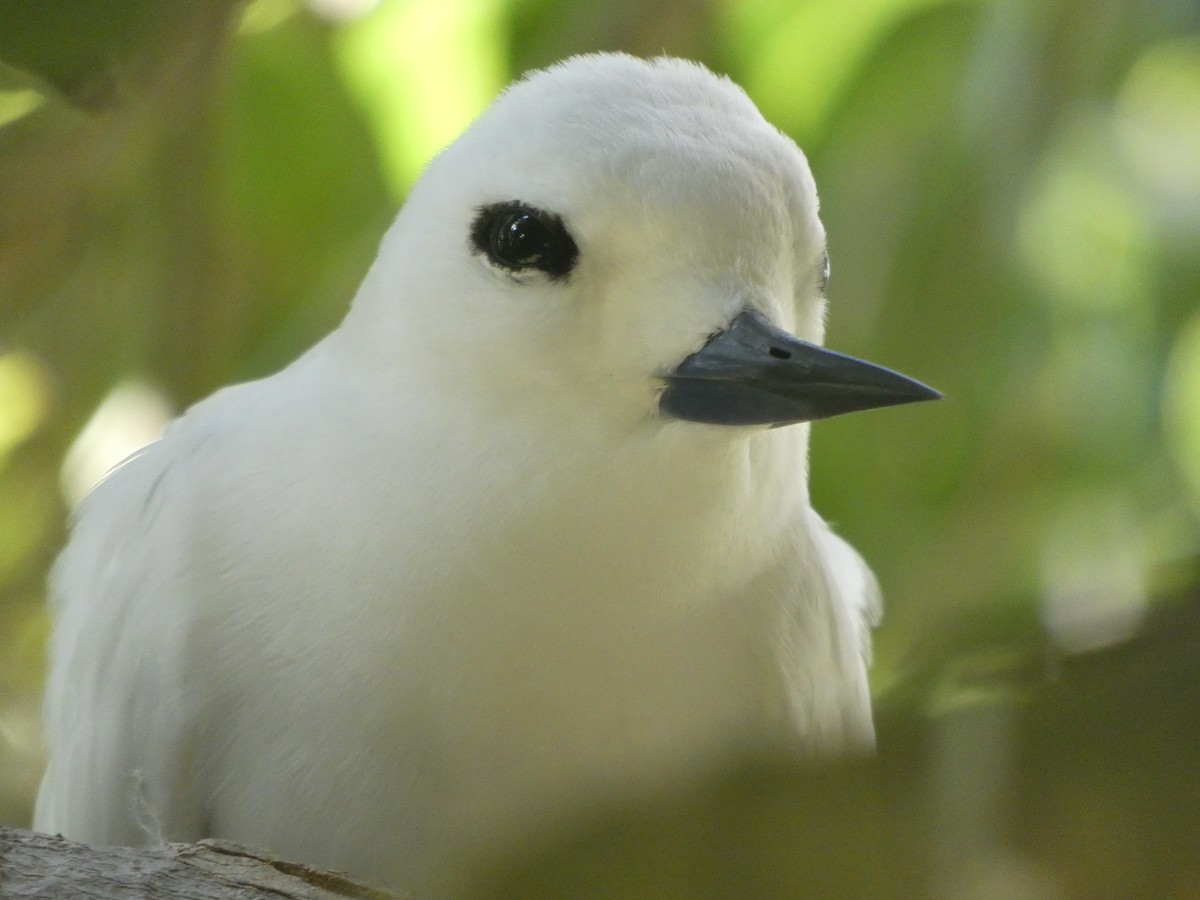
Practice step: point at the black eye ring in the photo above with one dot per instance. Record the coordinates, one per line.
(521, 238)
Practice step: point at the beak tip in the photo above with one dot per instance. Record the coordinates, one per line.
(924, 393)
(901, 392)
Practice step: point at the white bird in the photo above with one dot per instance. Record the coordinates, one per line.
(517, 536)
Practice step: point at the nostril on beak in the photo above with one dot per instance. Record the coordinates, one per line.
(780, 353)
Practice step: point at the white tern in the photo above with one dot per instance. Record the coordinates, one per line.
(521, 534)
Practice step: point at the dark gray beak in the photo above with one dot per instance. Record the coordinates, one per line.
(753, 373)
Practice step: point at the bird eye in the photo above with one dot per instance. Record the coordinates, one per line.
(521, 238)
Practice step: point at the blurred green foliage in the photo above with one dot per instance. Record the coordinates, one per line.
(1011, 188)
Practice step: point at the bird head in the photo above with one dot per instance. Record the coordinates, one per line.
(624, 240)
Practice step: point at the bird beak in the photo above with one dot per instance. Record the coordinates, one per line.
(753, 373)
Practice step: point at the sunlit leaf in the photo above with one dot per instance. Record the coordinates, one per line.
(421, 72)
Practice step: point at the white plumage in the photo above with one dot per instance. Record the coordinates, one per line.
(453, 574)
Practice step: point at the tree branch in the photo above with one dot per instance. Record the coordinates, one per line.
(41, 865)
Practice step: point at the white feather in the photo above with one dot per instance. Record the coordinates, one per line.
(450, 575)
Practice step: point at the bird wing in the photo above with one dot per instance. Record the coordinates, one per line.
(834, 604)
(852, 579)
(116, 718)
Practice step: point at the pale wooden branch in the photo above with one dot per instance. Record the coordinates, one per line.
(43, 866)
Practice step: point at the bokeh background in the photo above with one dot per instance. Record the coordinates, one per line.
(189, 194)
